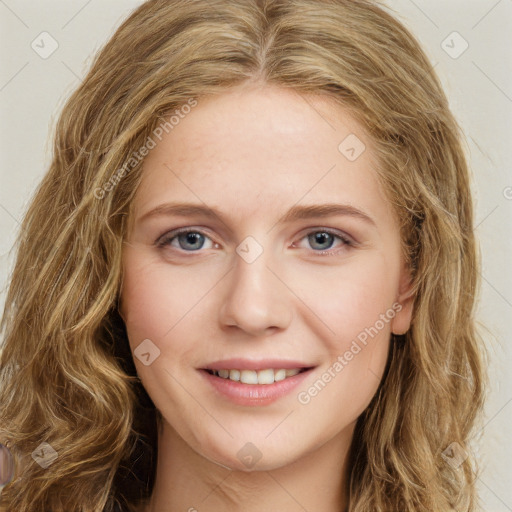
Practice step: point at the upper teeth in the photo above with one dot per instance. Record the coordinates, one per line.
(257, 377)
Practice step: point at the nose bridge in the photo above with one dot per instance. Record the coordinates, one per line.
(255, 298)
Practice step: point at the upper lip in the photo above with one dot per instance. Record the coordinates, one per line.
(251, 364)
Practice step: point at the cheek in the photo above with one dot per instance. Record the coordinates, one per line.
(154, 299)
(355, 306)
(148, 312)
(352, 297)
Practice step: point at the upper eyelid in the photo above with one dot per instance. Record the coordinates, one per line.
(173, 233)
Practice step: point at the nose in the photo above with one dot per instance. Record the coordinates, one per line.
(256, 299)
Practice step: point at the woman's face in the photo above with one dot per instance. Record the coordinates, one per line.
(276, 279)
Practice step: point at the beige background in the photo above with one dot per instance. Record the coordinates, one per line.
(478, 83)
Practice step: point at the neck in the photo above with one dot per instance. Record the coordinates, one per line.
(187, 481)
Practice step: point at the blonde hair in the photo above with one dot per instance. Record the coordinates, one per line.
(66, 372)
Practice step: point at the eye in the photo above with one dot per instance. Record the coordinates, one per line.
(192, 240)
(189, 240)
(324, 239)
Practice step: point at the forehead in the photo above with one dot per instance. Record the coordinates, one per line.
(262, 145)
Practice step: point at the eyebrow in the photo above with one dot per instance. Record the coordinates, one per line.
(293, 214)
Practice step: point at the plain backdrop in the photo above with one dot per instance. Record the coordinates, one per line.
(468, 41)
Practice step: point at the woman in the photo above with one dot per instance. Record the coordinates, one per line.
(253, 368)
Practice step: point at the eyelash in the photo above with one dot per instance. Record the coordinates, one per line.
(166, 239)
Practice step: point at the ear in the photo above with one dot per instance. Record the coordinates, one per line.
(402, 320)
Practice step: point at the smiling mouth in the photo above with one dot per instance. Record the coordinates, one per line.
(267, 376)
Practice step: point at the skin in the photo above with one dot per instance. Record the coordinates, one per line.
(254, 152)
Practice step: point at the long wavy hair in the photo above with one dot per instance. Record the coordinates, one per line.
(67, 376)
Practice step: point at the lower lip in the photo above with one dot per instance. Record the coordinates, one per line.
(254, 394)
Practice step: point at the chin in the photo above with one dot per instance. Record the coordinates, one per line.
(249, 458)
